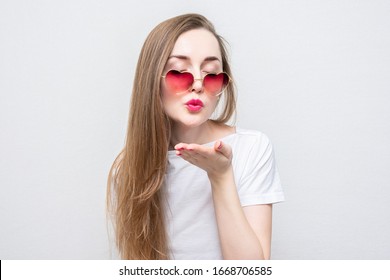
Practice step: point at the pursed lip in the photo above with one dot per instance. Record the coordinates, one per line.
(195, 102)
(194, 105)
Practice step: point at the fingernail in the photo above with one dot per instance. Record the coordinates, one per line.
(220, 146)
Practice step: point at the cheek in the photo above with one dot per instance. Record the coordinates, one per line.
(213, 102)
(170, 101)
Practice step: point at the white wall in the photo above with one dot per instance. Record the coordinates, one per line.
(313, 75)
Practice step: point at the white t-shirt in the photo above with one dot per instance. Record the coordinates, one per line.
(191, 223)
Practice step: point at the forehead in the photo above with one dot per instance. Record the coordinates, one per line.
(197, 44)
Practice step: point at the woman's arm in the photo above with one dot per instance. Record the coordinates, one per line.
(260, 219)
(245, 233)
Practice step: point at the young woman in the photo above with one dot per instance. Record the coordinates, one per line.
(187, 185)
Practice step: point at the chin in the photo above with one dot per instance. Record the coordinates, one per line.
(191, 122)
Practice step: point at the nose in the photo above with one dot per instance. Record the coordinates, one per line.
(197, 85)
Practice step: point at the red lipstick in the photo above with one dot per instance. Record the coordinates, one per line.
(194, 105)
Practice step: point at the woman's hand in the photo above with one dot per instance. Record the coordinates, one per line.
(214, 160)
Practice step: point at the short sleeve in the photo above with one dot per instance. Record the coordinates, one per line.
(258, 181)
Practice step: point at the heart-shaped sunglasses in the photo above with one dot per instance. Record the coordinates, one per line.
(182, 82)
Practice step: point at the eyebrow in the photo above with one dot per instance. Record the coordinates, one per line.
(183, 57)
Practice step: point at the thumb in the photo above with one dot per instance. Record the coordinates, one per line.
(223, 148)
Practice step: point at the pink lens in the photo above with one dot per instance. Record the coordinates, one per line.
(179, 82)
(215, 83)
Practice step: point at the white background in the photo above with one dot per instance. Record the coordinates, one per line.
(313, 75)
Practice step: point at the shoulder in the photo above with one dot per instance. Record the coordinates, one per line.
(250, 133)
(250, 147)
(250, 139)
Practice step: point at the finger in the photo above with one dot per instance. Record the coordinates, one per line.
(198, 152)
(194, 153)
(183, 149)
(191, 158)
(180, 146)
(188, 147)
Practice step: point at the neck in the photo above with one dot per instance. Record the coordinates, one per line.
(199, 135)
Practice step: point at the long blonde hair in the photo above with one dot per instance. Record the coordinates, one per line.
(134, 192)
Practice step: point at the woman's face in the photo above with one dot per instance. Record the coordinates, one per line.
(196, 51)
